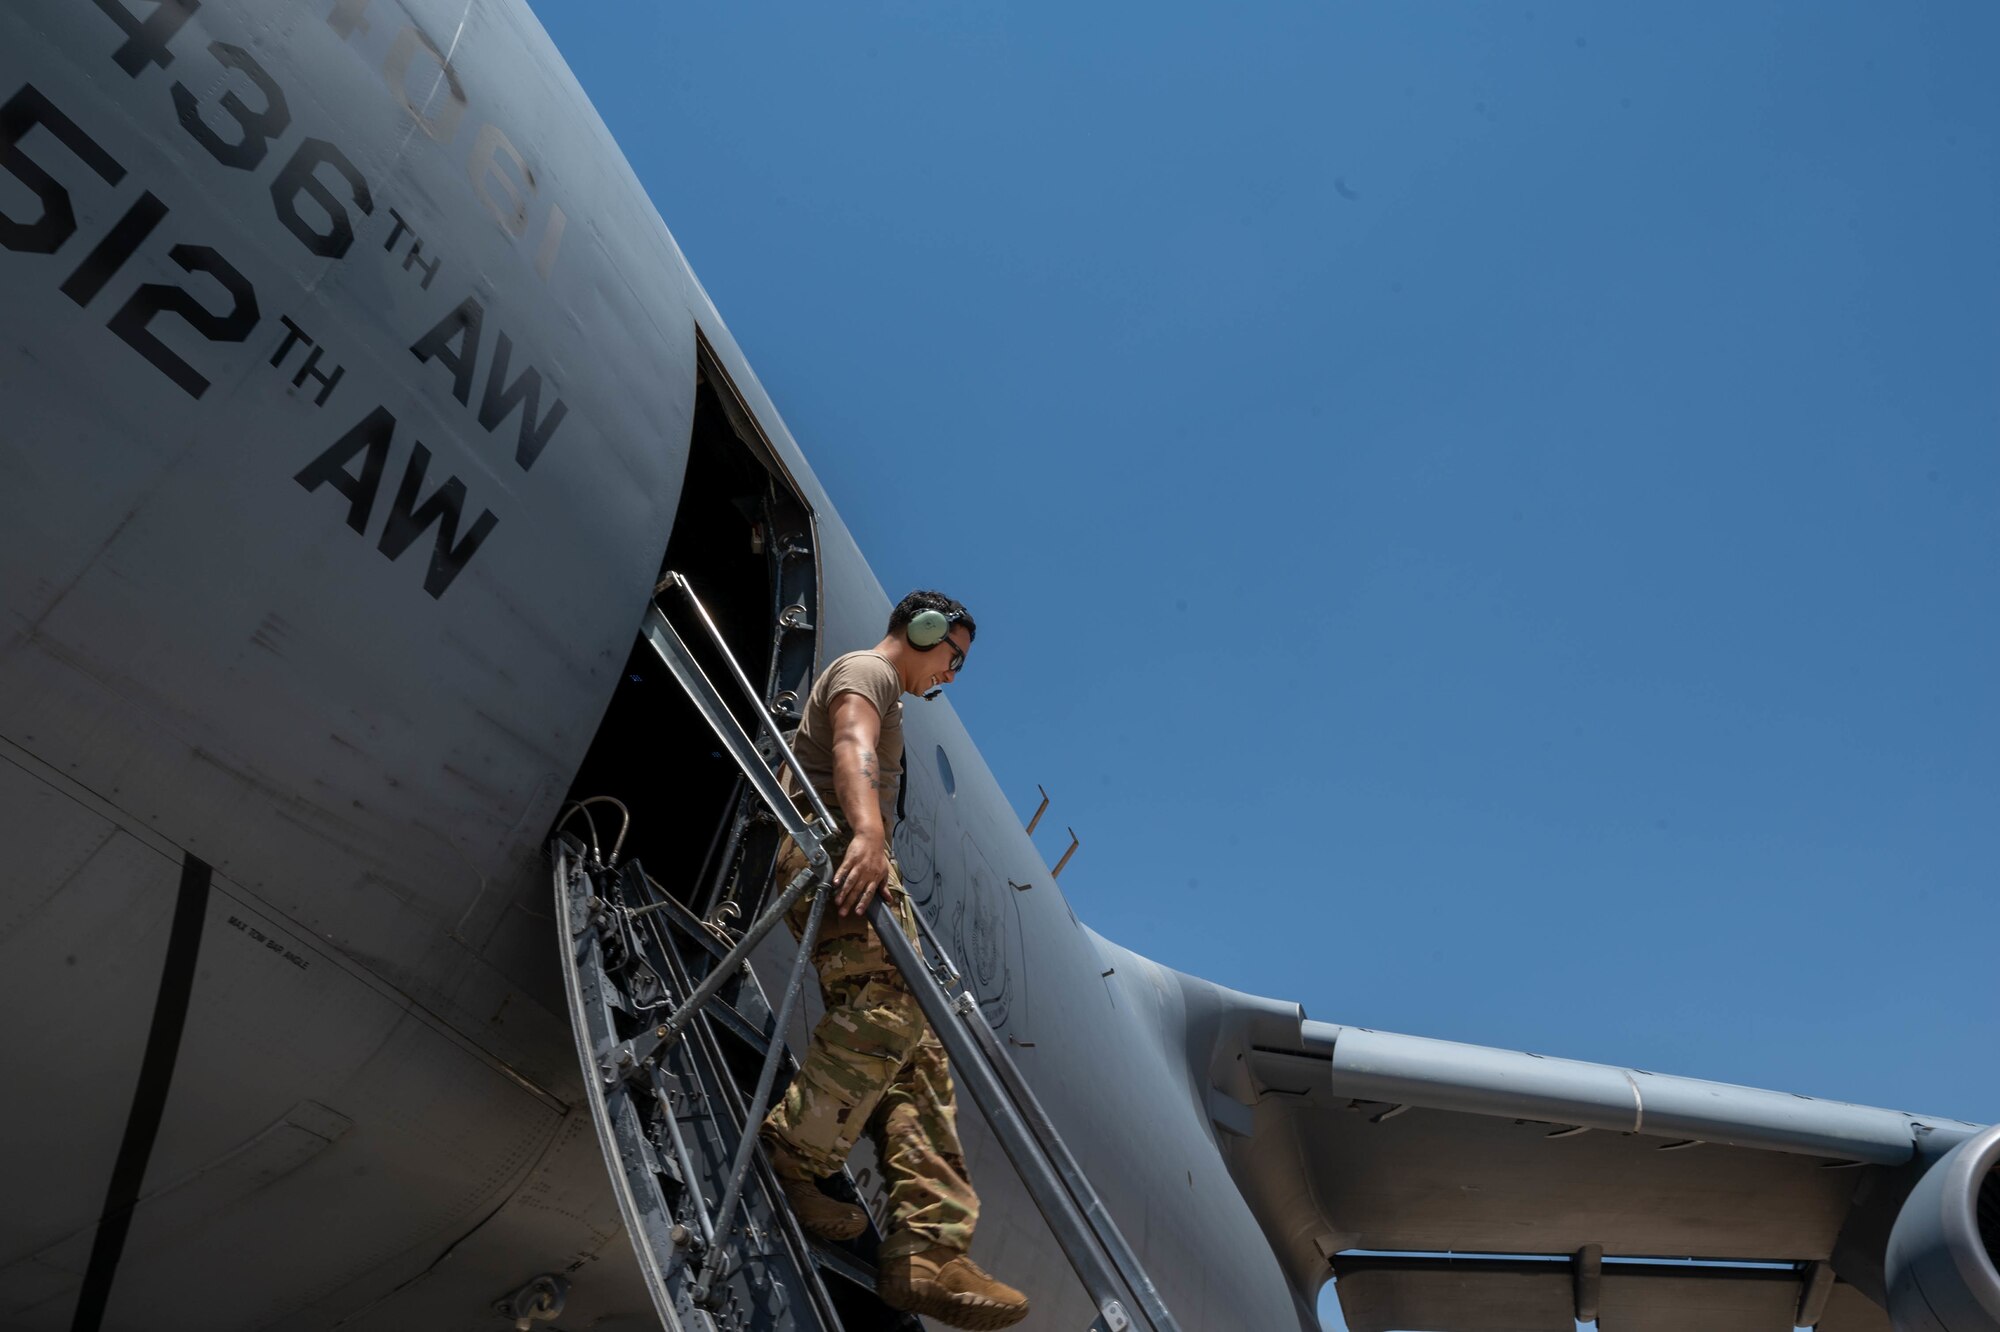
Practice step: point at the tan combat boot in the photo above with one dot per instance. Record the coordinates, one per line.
(947, 1285)
(828, 1218)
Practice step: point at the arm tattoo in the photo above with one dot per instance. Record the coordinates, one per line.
(868, 770)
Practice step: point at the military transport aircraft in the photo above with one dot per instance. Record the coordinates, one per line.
(358, 397)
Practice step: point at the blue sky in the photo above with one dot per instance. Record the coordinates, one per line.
(1484, 517)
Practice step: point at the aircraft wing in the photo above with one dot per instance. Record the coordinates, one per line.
(1455, 1188)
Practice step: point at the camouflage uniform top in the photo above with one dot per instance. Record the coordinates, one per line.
(870, 675)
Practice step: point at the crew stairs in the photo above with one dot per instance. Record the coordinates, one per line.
(682, 1050)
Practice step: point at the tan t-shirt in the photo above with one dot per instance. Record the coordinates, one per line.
(870, 675)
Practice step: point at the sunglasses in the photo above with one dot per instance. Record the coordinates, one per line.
(957, 654)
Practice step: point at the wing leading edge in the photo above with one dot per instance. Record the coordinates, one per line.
(1457, 1188)
(1419, 1146)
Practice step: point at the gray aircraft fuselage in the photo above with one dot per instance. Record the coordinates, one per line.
(350, 378)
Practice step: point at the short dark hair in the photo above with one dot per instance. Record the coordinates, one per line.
(906, 610)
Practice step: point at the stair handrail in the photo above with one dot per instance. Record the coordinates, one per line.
(672, 581)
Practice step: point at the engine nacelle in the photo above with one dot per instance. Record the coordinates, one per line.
(1943, 1261)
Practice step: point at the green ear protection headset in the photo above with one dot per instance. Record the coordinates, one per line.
(927, 628)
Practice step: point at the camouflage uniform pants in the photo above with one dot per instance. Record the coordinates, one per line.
(874, 1064)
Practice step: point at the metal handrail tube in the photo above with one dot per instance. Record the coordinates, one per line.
(670, 1029)
(1073, 1232)
(712, 1264)
(673, 650)
(686, 589)
(1081, 1192)
(685, 1161)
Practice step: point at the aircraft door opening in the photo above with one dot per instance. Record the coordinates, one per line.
(744, 540)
